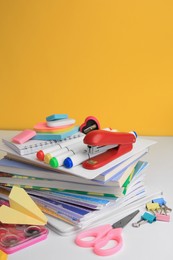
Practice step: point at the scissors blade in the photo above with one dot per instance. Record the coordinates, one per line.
(124, 221)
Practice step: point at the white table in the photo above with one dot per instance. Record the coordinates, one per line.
(149, 241)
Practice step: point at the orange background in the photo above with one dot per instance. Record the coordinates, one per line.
(110, 59)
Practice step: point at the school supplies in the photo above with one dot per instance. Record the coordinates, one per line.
(156, 211)
(55, 130)
(16, 168)
(56, 117)
(159, 209)
(90, 123)
(16, 237)
(59, 145)
(145, 218)
(33, 146)
(114, 210)
(22, 210)
(35, 183)
(75, 149)
(103, 234)
(3, 256)
(162, 217)
(103, 138)
(132, 188)
(61, 122)
(54, 136)
(162, 203)
(140, 145)
(134, 192)
(87, 201)
(75, 160)
(60, 151)
(23, 136)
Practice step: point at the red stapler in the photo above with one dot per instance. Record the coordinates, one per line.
(112, 145)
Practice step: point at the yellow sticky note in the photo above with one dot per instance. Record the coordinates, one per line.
(3, 256)
(22, 210)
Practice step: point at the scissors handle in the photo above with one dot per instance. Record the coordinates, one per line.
(94, 233)
(114, 234)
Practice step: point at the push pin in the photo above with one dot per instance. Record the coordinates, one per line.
(153, 207)
(162, 204)
(146, 217)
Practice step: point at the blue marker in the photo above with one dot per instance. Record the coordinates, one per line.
(59, 160)
(77, 159)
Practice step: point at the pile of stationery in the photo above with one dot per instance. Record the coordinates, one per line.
(75, 174)
(22, 223)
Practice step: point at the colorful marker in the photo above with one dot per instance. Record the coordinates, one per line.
(58, 152)
(59, 160)
(61, 144)
(77, 159)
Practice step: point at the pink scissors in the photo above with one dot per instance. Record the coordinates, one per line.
(103, 234)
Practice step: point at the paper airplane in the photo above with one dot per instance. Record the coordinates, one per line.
(22, 210)
(3, 256)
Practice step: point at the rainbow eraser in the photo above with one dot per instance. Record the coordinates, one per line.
(23, 136)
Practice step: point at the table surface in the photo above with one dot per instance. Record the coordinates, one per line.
(149, 241)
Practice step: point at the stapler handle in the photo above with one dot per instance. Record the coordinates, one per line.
(103, 137)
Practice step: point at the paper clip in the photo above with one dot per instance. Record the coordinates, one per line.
(153, 207)
(123, 143)
(162, 217)
(162, 204)
(146, 217)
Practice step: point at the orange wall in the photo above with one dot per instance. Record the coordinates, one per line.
(111, 59)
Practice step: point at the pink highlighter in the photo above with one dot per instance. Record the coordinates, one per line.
(23, 136)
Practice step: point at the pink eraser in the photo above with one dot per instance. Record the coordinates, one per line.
(24, 136)
(162, 217)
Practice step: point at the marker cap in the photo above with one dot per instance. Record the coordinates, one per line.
(40, 155)
(47, 158)
(53, 162)
(134, 133)
(68, 162)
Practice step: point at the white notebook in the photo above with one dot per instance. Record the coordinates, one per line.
(140, 145)
(33, 146)
(109, 214)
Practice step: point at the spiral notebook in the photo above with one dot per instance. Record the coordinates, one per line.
(33, 146)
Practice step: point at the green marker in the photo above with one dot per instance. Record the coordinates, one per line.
(54, 162)
(58, 161)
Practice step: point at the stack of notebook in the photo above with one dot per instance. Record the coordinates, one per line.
(76, 196)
